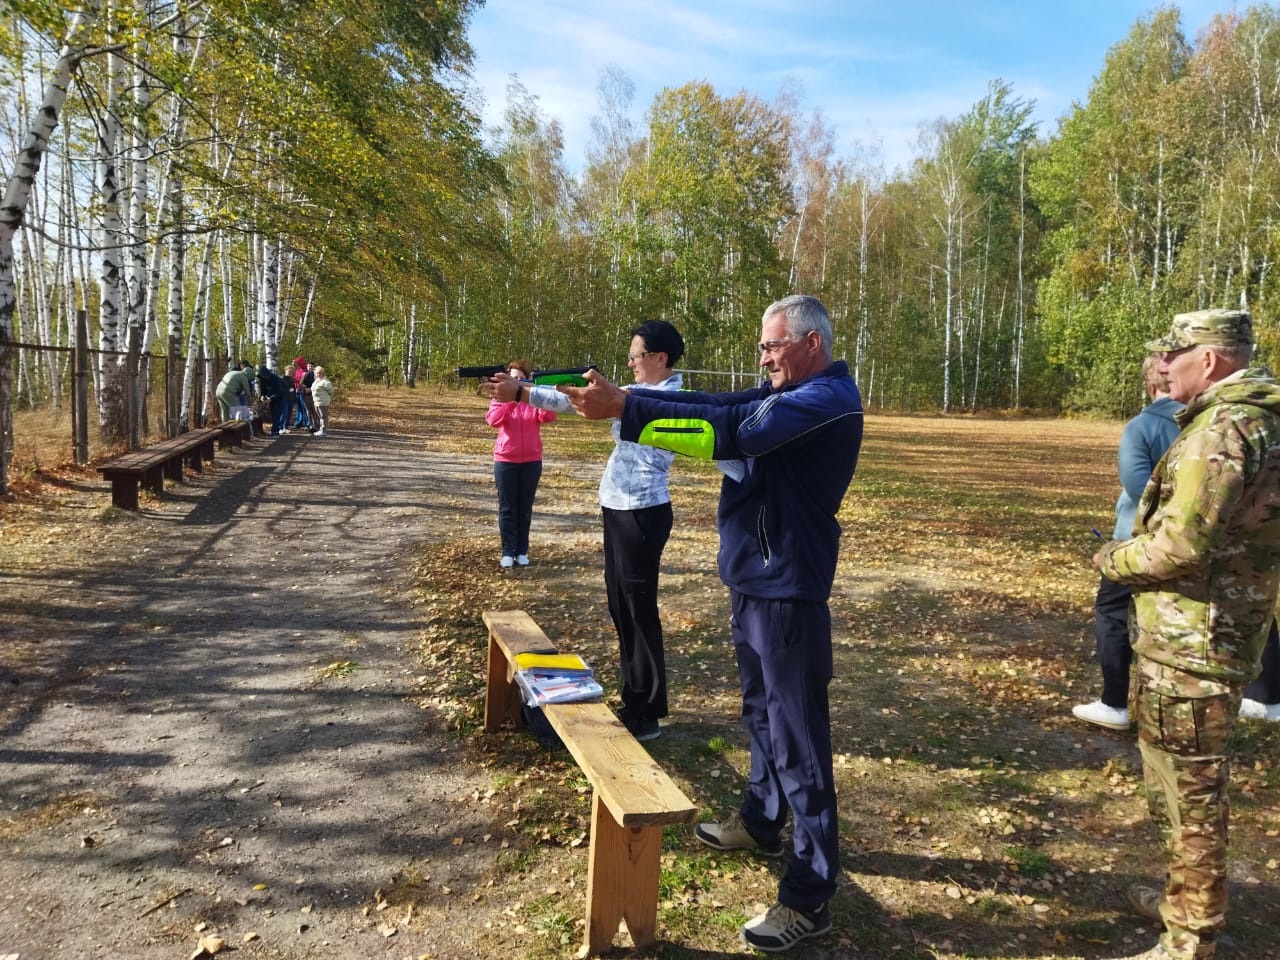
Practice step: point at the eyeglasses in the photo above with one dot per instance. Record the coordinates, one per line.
(773, 346)
(637, 357)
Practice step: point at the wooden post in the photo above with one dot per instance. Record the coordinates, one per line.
(132, 398)
(172, 388)
(80, 390)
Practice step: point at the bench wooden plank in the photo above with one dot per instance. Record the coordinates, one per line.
(511, 632)
(632, 799)
(634, 787)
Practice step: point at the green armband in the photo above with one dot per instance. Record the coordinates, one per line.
(690, 438)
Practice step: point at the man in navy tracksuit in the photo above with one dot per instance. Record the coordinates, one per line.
(788, 451)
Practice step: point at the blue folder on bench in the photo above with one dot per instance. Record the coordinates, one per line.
(555, 678)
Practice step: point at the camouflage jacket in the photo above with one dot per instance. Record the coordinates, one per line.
(1204, 561)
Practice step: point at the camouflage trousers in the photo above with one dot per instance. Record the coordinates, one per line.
(1185, 766)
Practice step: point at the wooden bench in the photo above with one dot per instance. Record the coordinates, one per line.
(233, 433)
(151, 465)
(633, 798)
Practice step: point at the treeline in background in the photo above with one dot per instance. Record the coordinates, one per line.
(261, 178)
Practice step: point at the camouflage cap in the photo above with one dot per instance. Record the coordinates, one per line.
(1206, 328)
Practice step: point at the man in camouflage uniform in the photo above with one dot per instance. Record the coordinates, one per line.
(1204, 565)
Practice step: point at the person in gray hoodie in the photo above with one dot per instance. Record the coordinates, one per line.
(234, 385)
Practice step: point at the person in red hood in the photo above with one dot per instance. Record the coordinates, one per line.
(299, 370)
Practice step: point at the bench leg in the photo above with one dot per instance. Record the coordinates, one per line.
(124, 492)
(173, 469)
(501, 695)
(153, 479)
(622, 881)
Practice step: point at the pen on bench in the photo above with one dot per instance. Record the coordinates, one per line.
(1099, 536)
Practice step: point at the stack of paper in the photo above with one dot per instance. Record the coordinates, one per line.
(555, 678)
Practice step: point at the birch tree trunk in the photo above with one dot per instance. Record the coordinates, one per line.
(1019, 317)
(199, 319)
(270, 299)
(138, 273)
(112, 400)
(16, 194)
(411, 347)
(866, 209)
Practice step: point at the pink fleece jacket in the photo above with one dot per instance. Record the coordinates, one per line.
(519, 431)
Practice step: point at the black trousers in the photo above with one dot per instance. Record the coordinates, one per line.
(633, 544)
(1111, 637)
(517, 486)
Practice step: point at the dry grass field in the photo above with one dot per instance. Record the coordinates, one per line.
(979, 819)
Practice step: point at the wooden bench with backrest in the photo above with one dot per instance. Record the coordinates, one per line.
(632, 797)
(150, 466)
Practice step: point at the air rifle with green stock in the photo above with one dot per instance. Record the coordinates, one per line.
(573, 376)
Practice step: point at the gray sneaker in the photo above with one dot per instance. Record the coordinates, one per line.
(781, 928)
(732, 834)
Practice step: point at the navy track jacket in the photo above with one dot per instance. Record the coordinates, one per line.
(798, 446)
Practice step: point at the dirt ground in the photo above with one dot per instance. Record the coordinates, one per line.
(206, 714)
(249, 710)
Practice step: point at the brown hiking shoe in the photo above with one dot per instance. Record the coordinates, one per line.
(732, 834)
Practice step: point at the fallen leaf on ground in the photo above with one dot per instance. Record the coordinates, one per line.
(208, 947)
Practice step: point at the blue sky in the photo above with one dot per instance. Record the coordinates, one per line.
(876, 69)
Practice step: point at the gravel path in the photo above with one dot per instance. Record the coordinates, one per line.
(236, 748)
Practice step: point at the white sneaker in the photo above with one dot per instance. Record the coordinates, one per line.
(523, 559)
(320, 433)
(1256, 710)
(505, 562)
(1113, 718)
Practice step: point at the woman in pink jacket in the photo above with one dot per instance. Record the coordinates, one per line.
(517, 466)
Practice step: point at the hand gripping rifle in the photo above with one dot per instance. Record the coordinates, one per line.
(573, 376)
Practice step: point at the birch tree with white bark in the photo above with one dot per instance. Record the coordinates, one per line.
(16, 195)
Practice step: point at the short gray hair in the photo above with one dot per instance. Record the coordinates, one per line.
(1237, 356)
(803, 313)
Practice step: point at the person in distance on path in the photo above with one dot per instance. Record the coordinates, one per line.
(322, 396)
(517, 466)
(234, 385)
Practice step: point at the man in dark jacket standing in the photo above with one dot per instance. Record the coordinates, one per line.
(788, 450)
(270, 388)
